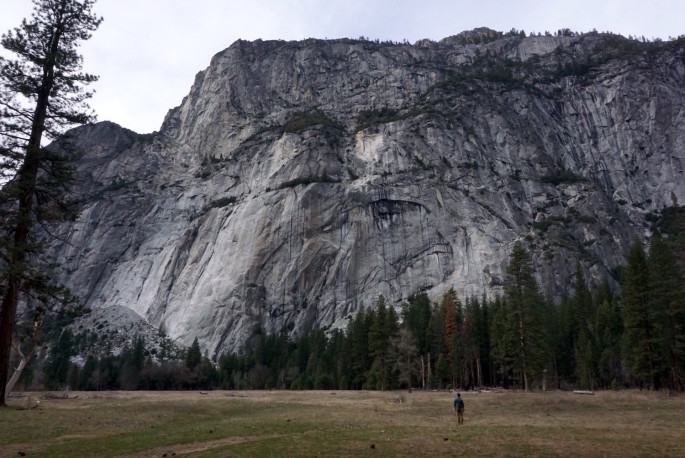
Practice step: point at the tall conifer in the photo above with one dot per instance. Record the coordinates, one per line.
(525, 330)
(667, 298)
(41, 93)
(642, 322)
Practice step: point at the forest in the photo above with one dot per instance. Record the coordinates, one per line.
(592, 339)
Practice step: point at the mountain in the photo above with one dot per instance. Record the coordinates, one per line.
(298, 181)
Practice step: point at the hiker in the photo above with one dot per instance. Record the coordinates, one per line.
(459, 407)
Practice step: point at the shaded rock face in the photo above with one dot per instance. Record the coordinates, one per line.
(298, 181)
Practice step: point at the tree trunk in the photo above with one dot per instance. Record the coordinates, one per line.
(19, 370)
(27, 182)
(409, 371)
(10, 300)
(523, 351)
(37, 326)
(7, 316)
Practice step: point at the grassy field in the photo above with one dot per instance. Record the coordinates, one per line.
(343, 423)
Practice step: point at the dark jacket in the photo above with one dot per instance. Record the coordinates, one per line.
(458, 404)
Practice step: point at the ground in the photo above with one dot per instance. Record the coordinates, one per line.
(343, 423)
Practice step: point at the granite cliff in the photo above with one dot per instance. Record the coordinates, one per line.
(298, 181)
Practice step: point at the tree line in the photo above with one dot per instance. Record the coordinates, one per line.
(520, 339)
(133, 368)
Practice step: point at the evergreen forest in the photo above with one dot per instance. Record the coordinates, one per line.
(592, 339)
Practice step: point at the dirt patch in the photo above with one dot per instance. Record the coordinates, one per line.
(183, 449)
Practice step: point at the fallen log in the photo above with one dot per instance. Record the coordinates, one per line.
(583, 392)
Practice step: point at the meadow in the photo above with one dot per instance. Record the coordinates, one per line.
(343, 423)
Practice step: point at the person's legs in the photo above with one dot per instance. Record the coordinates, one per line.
(460, 417)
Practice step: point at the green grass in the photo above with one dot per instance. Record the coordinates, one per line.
(335, 423)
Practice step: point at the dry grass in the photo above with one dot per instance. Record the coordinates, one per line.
(344, 423)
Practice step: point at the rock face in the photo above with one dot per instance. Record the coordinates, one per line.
(298, 181)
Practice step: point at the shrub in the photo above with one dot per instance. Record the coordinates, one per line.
(307, 180)
(308, 119)
(368, 118)
(222, 202)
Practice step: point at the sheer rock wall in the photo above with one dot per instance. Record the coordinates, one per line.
(298, 181)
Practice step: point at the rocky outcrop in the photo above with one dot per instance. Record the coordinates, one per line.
(298, 181)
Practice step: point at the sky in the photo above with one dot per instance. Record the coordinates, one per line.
(147, 52)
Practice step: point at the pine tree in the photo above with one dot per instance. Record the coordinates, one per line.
(524, 307)
(378, 338)
(587, 355)
(436, 343)
(453, 335)
(642, 322)
(582, 298)
(609, 325)
(47, 74)
(482, 341)
(132, 361)
(553, 336)
(404, 357)
(358, 348)
(193, 355)
(501, 343)
(667, 295)
(586, 352)
(417, 319)
(86, 381)
(472, 336)
(451, 314)
(442, 370)
(320, 364)
(383, 328)
(468, 339)
(576, 316)
(566, 338)
(57, 366)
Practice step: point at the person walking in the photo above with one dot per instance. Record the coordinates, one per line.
(459, 407)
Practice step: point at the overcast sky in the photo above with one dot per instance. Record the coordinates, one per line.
(147, 52)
